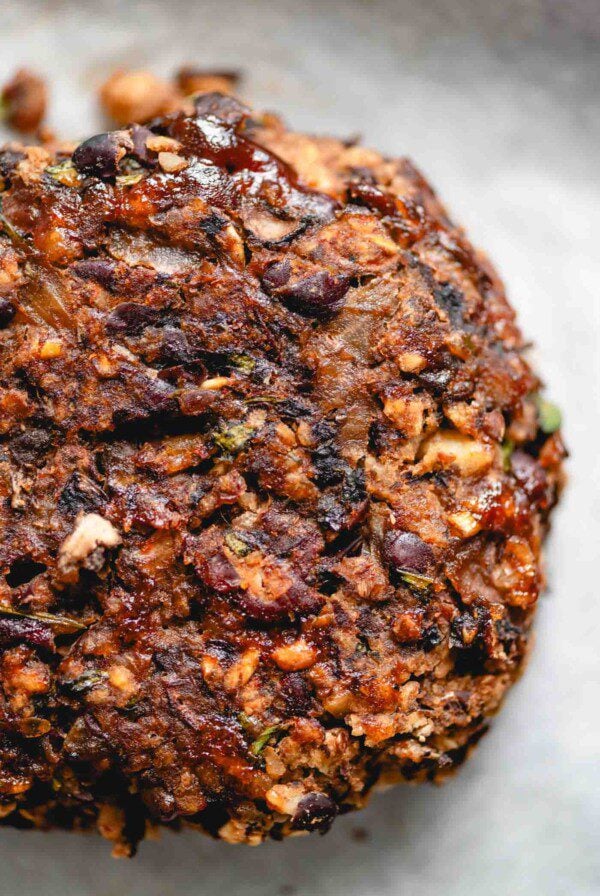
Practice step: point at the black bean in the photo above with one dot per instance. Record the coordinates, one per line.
(217, 105)
(315, 295)
(318, 295)
(276, 276)
(315, 812)
(17, 630)
(174, 348)
(406, 551)
(99, 270)
(100, 155)
(330, 512)
(213, 224)
(140, 151)
(130, 318)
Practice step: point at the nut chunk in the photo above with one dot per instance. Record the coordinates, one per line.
(24, 101)
(86, 545)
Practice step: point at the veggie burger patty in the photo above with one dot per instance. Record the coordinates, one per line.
(274, 478)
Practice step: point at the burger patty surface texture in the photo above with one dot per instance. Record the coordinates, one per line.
(274, 479)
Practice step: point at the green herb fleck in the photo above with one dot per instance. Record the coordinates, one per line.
(244, 721)
(127, 180)
(86, 681)
(234, 437)
(549, 416)
(362, 645)
(65, 173)
(243, 362)
(63, 625)
(508, 446)
(12, 232)
(236, 544)
(264, 399)
(421, 583)
(468, 342)
(132, 703)
(263, 739)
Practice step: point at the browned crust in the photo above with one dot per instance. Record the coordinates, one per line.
(273, 481)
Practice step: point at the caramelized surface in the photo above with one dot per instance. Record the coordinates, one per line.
(274, 480)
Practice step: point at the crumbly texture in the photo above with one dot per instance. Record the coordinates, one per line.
(274, 480)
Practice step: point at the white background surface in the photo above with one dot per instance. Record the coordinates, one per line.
(499, 104)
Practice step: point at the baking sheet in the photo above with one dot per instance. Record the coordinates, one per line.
(499, 105)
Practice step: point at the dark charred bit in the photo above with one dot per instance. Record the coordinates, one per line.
(452, 301)
(9, 159)
(275, 475)
(431, 638)
(315, 812)
(100, 155)
(7, 312)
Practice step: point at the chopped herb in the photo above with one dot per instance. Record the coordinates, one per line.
(421, 583)
(127, 180)
(549, 416)
(86, 681)
(244, 721)
(236, 544)
(263, 739)
(234, 437)
(508, 446)
(243, 362)
(63, 625)
(362, 645)
(468, 342)
(65, 173)
(132, 703)
(264, 399)
(12, 232)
